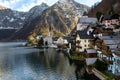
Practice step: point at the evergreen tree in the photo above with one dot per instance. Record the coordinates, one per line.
(41, 42)
(98, 15)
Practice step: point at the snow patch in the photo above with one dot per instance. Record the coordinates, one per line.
(23, 18)
(12, 19)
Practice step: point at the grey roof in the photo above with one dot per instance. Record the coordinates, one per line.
(83, 34)
(109, 37)
(109, 42)
(88, 20)
(109, 17)
(113, 46)
(68, 38)
(91, 51)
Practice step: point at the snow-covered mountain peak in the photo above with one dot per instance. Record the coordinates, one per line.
(44, 5)
(38, 8)
(65, 1)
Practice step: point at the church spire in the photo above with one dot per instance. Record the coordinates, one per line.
(50, 31)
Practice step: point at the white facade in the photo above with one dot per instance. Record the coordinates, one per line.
(48, 39)
(62, 41)
(84, 44)
(115, 67)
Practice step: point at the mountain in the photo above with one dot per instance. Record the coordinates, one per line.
(10, 19)
(61, 18)
(2, 8)
(37, 10)
(105, 7)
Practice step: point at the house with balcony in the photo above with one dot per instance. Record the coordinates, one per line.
(110, 20)
(106, 46)
(83, 40)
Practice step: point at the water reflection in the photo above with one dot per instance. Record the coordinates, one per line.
(54, 65)
(24, 63)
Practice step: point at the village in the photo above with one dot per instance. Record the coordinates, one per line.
(97, 42)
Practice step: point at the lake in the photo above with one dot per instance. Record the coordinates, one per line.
(26, 63)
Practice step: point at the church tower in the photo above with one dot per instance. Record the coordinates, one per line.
(50, 32)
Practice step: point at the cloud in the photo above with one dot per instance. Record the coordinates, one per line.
(8, 3)
(88, 2)
(21, 5)
(51, 2)
(26, 5)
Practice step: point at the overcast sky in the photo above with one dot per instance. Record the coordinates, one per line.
(25, 5)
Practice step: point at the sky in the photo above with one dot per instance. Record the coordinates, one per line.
(26, 5)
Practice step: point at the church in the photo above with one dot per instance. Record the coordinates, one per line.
(48, 38)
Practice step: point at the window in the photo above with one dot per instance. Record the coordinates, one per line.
(85, 45)
(85, 40)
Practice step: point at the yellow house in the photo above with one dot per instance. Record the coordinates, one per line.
(83, 40)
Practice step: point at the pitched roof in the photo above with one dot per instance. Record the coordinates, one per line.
(91, 51)
(113, 46)
(88, 20)
(107, 42)
(109, 37)
(68, 38)
(115, 16)
(83, 34)
(109, 17)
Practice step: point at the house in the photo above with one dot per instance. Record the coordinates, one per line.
(103, 50)
(83, 40)
(62, 41)
(106, 46)
(109, 20)
(91, 56)
(84, 21)
(101, 31)
(115, 66)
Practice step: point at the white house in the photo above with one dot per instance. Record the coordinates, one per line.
(109, 20)
(62, 41)
(83, 40)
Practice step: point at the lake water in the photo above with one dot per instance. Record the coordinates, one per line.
(26, 63)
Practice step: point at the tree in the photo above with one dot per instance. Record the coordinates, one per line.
(46, 43)
(41, 42)
(111, 11)
(98, 15)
